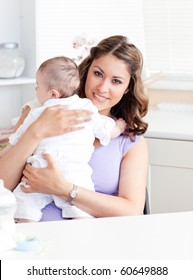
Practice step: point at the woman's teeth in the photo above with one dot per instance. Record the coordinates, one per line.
(101, 98)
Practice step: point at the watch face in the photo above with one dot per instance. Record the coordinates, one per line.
(73, 194)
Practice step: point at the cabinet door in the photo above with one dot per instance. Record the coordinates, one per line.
(170, 181)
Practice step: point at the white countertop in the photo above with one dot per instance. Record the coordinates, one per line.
(176, 125)
(156, 237)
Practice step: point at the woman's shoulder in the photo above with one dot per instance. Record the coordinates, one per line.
(125, 142)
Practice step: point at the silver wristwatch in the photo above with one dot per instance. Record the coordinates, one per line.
(72, 194)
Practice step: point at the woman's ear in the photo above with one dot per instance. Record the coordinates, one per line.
(55, 93)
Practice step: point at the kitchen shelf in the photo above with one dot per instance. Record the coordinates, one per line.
(17, 81)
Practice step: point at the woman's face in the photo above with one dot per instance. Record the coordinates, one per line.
(107, 81)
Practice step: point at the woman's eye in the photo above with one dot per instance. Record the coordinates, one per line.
(98, 74)
(116, 81)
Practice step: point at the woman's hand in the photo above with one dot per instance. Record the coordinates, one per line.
(49, 180)
(57, 120)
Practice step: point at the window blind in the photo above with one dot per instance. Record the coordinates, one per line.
(168, 27)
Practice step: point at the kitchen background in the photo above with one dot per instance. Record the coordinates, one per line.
(162, 29)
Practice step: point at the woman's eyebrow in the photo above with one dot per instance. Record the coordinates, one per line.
(98, 68)
(115, 77)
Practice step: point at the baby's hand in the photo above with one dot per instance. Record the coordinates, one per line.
(121, 124)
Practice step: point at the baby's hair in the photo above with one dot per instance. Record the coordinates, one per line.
(61, 73)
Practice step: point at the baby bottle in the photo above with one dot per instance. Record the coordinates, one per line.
(7, 224)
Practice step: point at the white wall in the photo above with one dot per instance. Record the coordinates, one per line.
(9, 21)
(45, 28)
(58, 23)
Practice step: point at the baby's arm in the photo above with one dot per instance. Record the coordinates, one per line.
(118, 128)
(106, 128)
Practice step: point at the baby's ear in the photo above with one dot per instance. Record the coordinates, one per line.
(55, 93)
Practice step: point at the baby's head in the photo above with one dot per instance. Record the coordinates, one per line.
(57, 77)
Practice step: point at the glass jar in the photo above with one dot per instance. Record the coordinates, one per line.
(12, 63)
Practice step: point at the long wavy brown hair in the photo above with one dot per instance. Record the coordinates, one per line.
(134, 105)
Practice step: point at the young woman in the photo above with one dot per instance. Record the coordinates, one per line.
(111, 79)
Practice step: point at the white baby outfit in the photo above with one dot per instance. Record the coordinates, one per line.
(71, 151)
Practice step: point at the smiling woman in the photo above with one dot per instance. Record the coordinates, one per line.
(111, 78)
(114, 69)
(104, 87)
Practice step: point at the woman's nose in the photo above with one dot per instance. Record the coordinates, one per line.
(103, 87)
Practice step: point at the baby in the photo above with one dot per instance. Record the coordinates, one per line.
(57, 83)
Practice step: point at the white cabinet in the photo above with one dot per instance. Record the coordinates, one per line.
(170, 181)
(13, 28)
(13, 94)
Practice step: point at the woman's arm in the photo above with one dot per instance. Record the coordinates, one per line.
(130, 200)
(53, 121)
(132, 186)
(13, 161)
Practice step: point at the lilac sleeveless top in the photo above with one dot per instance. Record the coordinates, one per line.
(105, 162)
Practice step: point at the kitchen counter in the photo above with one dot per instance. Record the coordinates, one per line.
(170, 124)
(146, 237)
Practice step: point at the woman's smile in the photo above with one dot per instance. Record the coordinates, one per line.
(100, 98)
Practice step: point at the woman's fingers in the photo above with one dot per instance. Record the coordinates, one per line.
(63, 110)
(43, 180)
(57, 120)
(49, 159)
(74, 117)
(26, 188)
